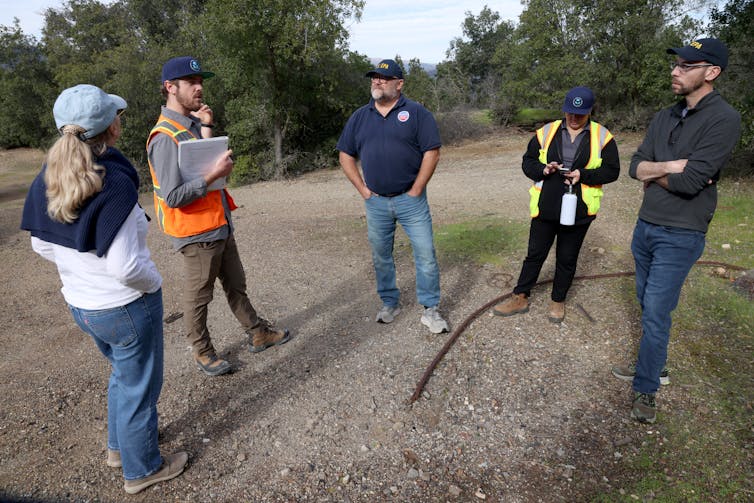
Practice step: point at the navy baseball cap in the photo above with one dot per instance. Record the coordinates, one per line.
(710, 50)
(388, 68)
(579, 100)
(87, 106)
(183, 66)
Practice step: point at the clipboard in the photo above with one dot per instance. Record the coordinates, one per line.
(196, 158)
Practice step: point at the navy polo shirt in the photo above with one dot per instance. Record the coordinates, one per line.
(390, 148)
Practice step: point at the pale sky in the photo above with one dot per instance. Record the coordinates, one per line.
(410, 28)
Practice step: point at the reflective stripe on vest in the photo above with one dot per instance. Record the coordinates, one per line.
(599, 136)
(203, 214)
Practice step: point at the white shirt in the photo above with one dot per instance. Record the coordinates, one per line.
(121, 276)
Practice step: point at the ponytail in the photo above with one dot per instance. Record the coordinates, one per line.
(72, 176)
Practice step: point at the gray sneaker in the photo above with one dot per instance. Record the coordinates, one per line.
(643, 408)
(387, 314)
(627, 373)
(431, 319)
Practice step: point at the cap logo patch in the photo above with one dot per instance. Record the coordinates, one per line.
(696, 45)
(577, 102)
(403, 116)
(384, 65)
(195, 65)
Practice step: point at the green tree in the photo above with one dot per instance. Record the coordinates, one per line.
(615, 47)
(451, 87)
(734, 24)
(474, 53)
(628, 63)
(548, 55)
(419, 86)
(26, 92)
(281, 64)
(120, 46)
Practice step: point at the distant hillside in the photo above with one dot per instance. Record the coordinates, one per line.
(430, 68)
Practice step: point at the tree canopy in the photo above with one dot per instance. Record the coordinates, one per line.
(287, 81)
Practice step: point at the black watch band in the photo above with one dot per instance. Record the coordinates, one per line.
(211, 126)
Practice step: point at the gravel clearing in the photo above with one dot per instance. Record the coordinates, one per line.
(519, 410)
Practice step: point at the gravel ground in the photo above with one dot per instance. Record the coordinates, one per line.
(519, 410)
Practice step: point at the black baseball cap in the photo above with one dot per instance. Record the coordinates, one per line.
(183, 66)
(710, 50)
(388, 68)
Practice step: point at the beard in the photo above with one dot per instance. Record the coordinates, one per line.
(191, 102)
(684, 90)
(384, 94)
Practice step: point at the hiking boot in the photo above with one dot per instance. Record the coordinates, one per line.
(113, 459)
(212, 365)
(264, 335)
(171, 467)
(515, 304)
(627, 373)
(643, 409)
(431, 319)
(387, 314)
(556, 312)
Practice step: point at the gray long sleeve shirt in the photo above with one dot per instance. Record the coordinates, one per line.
(705, 136)
(177, 192)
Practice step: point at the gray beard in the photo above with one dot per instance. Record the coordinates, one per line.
(382, 96)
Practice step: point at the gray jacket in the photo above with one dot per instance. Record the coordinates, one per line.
(706, 137)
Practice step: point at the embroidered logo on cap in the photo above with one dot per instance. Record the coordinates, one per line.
(195, 65)
(577, 102)
(403, 116)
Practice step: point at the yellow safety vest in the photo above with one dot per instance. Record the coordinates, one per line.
(590, 194)
(203, 214)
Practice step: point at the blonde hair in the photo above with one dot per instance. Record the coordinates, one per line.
(72, 176)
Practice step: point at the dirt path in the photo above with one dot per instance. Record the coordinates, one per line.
(520, 409)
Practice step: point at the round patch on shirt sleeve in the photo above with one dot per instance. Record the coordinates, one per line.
(403, 116)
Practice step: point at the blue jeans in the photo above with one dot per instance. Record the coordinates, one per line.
(663, 258)
(130, 337)
(413, 215)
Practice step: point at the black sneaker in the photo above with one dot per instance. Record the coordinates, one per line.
(643, 408)
(627, 373)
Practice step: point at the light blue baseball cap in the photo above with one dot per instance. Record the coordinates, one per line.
(87, 106)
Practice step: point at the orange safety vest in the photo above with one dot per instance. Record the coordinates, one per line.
(591, 195)
(203, 214)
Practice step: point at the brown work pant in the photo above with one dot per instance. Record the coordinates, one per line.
(205, 262)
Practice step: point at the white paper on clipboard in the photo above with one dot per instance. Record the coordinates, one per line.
(197, 157)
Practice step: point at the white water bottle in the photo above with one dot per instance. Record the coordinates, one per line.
(568, 208)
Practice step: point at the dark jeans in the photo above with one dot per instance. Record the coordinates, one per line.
(663, 258)
(542, 233)
(204, 263)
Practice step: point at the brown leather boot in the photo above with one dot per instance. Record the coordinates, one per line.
(515, 304)
(264, 336)
(556, 312)
(212, 365)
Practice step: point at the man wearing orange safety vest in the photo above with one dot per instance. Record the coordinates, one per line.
(575, 153)
(198, 220)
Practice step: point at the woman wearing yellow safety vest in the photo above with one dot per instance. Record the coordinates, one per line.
(575, 152)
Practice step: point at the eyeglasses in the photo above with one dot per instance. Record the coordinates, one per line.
(685, 67)
(383, 78)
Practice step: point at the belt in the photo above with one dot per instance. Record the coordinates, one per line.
(393, 194)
